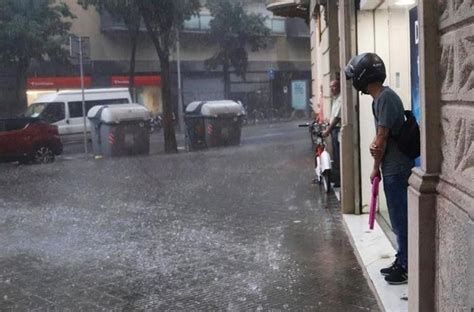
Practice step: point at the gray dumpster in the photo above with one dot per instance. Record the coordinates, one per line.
(213, 123)
(119, 130)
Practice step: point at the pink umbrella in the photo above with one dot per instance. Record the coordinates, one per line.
(373, 202)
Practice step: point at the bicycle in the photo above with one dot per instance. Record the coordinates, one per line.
(322, 159)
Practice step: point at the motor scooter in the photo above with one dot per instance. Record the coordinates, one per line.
(322, 159)
(156, 123)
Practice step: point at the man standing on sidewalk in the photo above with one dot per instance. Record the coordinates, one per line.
(335, 125)
(367, 72)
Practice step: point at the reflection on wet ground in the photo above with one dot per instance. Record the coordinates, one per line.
(238, 228)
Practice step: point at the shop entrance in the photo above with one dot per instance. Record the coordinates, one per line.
(388, 29)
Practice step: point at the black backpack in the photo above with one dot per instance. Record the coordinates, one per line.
(408, 140)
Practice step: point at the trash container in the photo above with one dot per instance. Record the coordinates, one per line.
(213, 123)
(119, 130)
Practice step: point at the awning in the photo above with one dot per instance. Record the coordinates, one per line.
(35, 83)
(288, 8)
(140, 81)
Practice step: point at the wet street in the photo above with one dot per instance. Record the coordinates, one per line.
(236, 229)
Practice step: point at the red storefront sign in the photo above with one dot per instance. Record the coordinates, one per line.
(140, 81)
(74, 82)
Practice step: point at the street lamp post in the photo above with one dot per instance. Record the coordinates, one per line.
(79, 52)
(81, 65)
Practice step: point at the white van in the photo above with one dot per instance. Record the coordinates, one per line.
(64, 108)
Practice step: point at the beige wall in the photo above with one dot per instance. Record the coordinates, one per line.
(366, 43)
(281, 49)
(194, 48)
(87, 23)
(314, 30)
(321, 54)
(324, 68)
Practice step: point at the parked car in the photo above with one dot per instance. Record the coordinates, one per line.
(64, 108)
(29, 140)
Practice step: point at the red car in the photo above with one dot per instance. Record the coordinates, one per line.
(28, 140)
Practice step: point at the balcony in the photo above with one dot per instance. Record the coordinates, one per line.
(197, 24)
(109, 24)
(289, 8)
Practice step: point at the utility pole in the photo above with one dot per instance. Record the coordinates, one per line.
(81, 65)
(271, 77)
(79, 52)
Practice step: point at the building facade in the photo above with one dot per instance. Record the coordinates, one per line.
(427, 47)
(266, 90)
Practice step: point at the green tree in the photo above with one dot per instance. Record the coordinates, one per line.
(126, 11)
(31, 29)
(234, 31)
(163, 18)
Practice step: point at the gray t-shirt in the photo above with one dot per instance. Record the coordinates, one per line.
(389, 113)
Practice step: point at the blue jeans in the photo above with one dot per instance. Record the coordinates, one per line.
(335, 145)
(396, 187)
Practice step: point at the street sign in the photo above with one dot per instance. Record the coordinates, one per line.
(75, 44)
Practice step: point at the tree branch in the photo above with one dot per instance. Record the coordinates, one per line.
(150, 29)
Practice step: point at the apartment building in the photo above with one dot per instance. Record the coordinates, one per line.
(268, 83)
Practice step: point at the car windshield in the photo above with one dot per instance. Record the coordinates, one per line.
(35, 110)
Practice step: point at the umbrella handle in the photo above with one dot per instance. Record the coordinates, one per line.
(373, 202)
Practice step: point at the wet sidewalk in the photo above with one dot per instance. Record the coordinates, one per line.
(234, 229)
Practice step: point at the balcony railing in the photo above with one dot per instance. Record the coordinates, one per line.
(196, 24)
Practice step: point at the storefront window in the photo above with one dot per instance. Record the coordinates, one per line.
(150, 97)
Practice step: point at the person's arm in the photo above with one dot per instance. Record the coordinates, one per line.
(377, 149)
(333, 124)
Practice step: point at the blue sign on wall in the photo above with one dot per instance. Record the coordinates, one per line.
(299, 93)
(415, 67)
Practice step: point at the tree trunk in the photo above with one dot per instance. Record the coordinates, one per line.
(163, 55)
(168, 124)
(20, 104)
(225, 69)
(131, 77)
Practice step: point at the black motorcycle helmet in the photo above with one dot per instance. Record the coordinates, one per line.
(365, 68)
